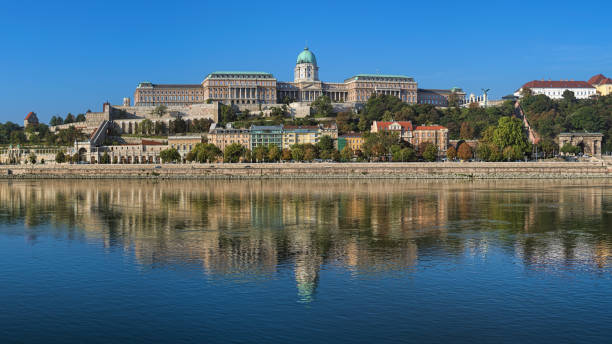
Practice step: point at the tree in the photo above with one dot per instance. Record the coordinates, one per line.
(466, 132)
(160, 110)
(377, 145)
(512, 153)
(510, 132)
(205, 152)
(570, 149)
(297, 154)
(177, 126)
(310, 153)
(548, 146)
(69, 118)
(160, 127)
(451, 153)
(346, 154)
(60, 157)
(18, 137)
(322, 107)
(569, 96)
(233, 152)
(170, 155)
(105, 158)
(286, 154)
(274, 152)
(260, 153)
(80, 118)
(464, 152)
(56, 120)
(325, 143)
(146, 127)
(431, 152)
(227, 114)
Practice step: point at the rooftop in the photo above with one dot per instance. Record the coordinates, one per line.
(557, 84)
(380, 77)
(430, 127)
(240, 74)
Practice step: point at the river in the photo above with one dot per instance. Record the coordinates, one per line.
(101, 261)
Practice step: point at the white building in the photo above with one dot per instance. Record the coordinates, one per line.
(555, 89)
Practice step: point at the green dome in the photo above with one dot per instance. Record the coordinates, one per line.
(306, 56)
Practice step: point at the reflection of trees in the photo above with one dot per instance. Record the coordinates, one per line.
(246, 228)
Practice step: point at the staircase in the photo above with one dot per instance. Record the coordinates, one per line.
(99, 135)
(534, 138)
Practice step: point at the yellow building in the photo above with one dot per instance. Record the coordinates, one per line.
(184, 144)
(354, 141)
(602, 84)
(300, 135)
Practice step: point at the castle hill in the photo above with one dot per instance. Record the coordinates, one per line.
(250, 124)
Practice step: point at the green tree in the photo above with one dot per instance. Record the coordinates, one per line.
(377, 145)
(80, 117)
(260, 153)
(326, 143)
(569, 96)
(297, 153)
(431, 152)
(105, 158)
(69, 119)
(170, 155)
(322, 107)
(346, 154)
(570, 149)
(233, 152)
(274, 153)
(60, 157)
(56, 120)
(510, 132)
(512, 153)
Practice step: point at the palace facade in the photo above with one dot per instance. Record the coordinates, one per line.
(241, 88)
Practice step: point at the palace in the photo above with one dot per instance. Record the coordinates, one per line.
(247, 88)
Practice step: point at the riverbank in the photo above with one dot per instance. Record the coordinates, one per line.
(442, 170)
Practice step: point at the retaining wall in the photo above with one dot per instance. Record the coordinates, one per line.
(560, 170)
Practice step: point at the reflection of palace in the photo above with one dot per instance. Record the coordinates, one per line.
(249, 228)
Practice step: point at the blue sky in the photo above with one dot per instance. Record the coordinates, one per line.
(70, 56)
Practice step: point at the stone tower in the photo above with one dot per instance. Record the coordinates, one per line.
(306, 68)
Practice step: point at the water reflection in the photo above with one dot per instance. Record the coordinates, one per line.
(254, 229)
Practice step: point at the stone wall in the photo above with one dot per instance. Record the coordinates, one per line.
(547, 170)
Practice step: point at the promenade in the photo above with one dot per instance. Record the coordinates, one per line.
(441, 170)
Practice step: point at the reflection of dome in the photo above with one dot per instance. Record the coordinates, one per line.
(306, 56)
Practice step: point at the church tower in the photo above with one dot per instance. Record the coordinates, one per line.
(306, 68)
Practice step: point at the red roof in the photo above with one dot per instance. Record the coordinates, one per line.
(606, 81)
(406, 125)
(557, 84)
(430, 127)
(151, 143)
(29, 115)
(597, 79)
